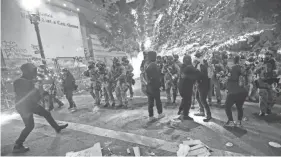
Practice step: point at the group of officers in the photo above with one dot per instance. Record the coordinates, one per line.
(105, 80)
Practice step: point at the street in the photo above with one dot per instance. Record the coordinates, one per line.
(119, 129)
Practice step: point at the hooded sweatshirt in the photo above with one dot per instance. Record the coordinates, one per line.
(189, 75)
(153, 75)
(27, 96)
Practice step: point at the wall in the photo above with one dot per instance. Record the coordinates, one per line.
(60, 32)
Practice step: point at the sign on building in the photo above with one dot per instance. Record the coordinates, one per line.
(59, 28)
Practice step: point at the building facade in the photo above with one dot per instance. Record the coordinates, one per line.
(67, 29)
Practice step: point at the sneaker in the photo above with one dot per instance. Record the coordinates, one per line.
(73, 109)
(69, 108)
(19, 148)
(106, 105)
(113, 104)
(179, 112)
(161, 116)
(239, 124)
(151, 119)
(261, 114)
(51, 108)
(202, 114)
(187, 118)
(207, 119)
(61, 127)
(268, 111)
(229, 124)
(219, 102)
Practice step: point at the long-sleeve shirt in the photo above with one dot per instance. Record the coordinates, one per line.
(153, 75)
(233, 86)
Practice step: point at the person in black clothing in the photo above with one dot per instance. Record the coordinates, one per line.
(28, 94)
(237, 93)
(68, 84)
(202, 93)
(153, 79)
(189, 75)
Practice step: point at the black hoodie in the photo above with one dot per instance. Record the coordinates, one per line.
(27, 96)
(152, 71)
(189, 75)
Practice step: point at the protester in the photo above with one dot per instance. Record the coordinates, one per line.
(188, 76)
(237, 92)
(68, 85)
(202, 93)
(153, 79)
(28, 94)
(217, 68)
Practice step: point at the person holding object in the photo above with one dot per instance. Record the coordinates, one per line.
(153, 79)
(188, 76)
(28, 93)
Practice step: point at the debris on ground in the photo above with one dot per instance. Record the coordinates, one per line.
(175, 122)
(92, 151)
(151, 154)
(183, 150)
(128, 151)
(136, 151)
(193, 148)
(274, 144)
(245, 119)
(228, 144)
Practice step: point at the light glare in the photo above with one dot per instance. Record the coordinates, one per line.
(31, 5)
(147, 43)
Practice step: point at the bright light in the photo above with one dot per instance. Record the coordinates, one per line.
(136, 63)
(6, 118)
(64, 5)
(147, 43)
(133, 11)
(30, 5)
(78, 9)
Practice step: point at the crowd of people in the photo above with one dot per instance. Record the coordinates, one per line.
(253, 79)
(196, 80)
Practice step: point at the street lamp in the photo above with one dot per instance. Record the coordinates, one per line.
(32, 7)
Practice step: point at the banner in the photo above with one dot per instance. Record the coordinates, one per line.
(59, 28)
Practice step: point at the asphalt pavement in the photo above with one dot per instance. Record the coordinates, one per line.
(251, 140)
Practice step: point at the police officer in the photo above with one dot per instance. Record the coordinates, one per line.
(106, 80)
(176, 60)
(172, 72)
(266, 93)
(129, 74)
(95, 83)
(160, 64)
(119, 76)
(52, 92)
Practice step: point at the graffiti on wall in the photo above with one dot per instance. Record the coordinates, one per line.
(35, 48)
(11, 49)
